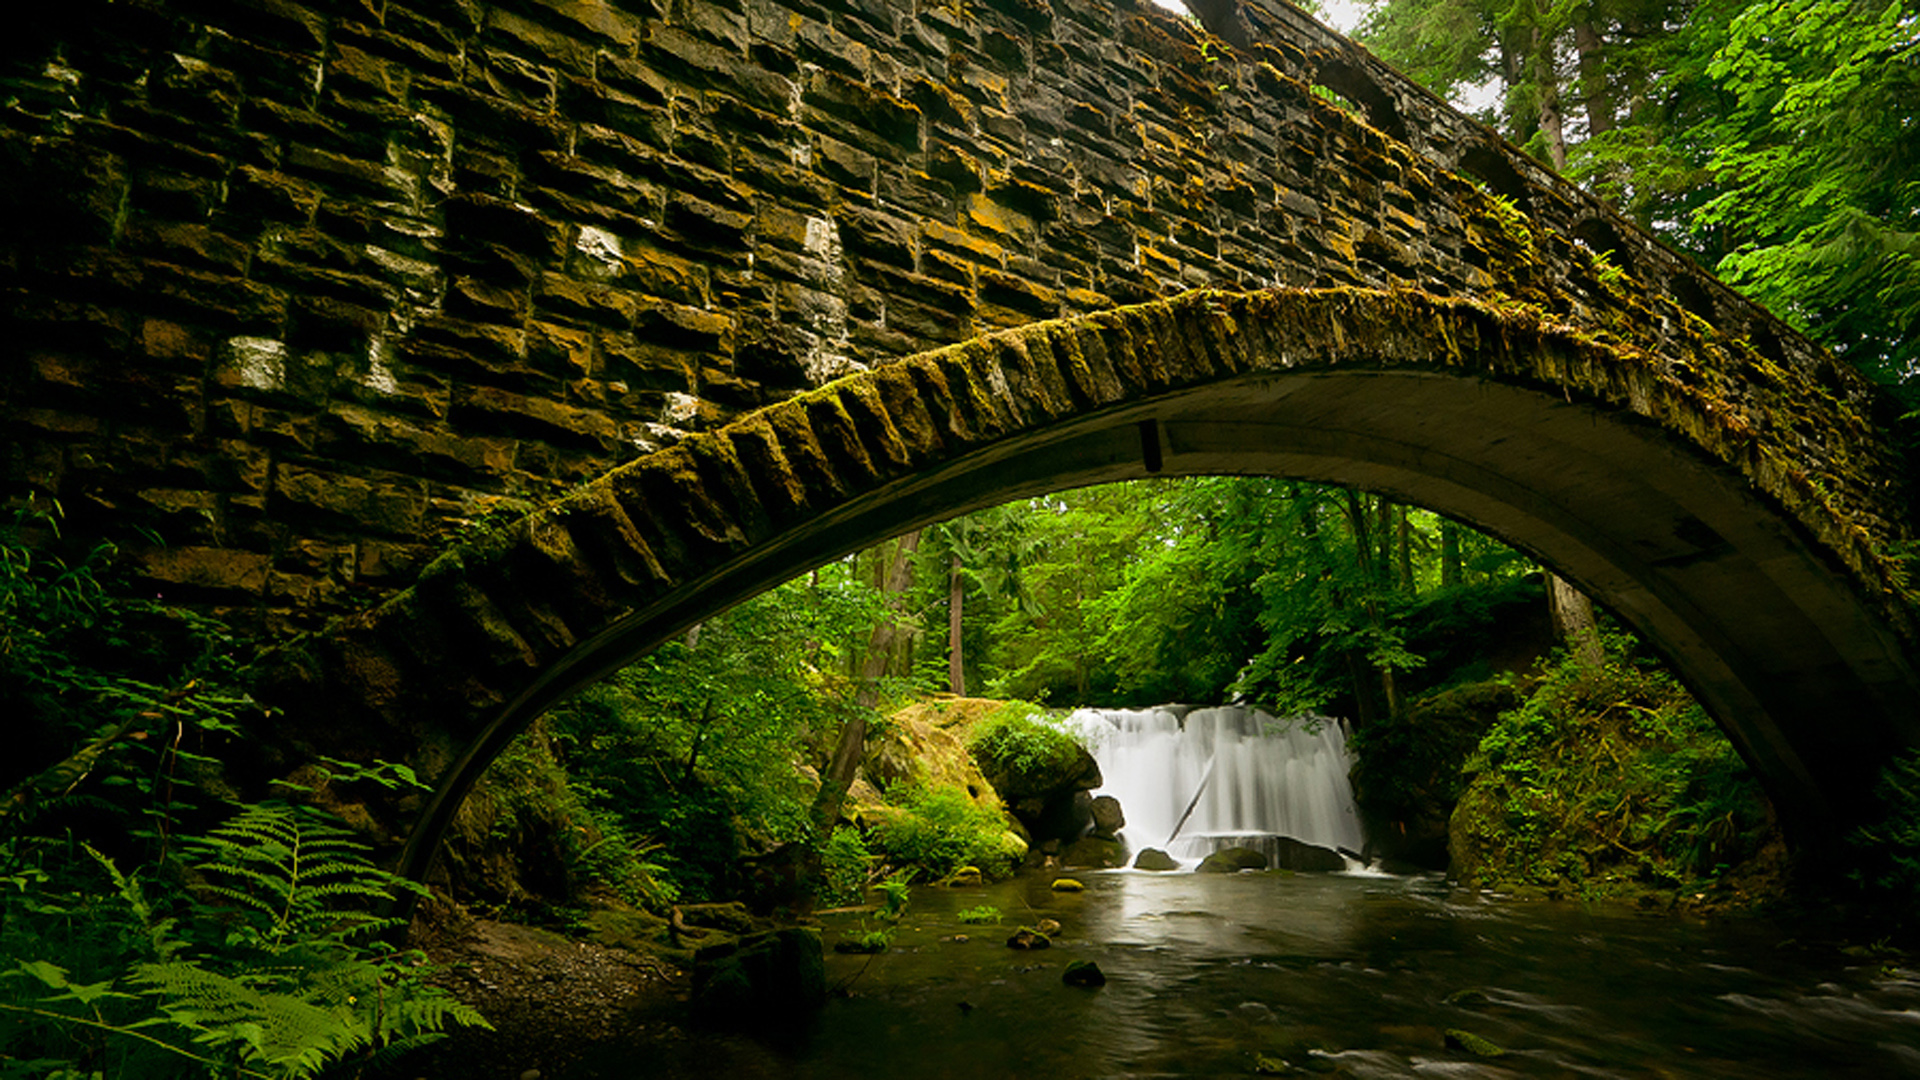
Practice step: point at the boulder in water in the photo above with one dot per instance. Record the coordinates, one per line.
(1473, 1044)
(1291, 854)
(1067, 884)
(1108, 819)
(1094, 852)
(966, 875)
(1155, 859)
(781, 973)
(1028, 938)
(1229, 860)
(1056, 819)
(1084, 973)
(1048, 927)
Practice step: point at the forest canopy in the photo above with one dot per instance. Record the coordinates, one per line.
(1775, 143)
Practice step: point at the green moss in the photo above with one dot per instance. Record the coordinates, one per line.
(1473, 1044)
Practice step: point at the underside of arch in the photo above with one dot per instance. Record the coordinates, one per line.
(1598, 458)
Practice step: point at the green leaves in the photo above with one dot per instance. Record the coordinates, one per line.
(1816, 161)
(294, 878)
(294, 987)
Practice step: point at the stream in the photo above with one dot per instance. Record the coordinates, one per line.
(1324, 972)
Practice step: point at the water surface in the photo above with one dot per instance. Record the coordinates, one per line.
(1207, 974)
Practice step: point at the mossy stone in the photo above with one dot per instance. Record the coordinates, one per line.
(1458, 1039)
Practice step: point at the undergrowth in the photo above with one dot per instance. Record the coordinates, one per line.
(152, 925)
(941, 830)
(1611, 782)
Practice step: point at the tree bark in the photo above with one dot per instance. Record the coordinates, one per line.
(1573, 620)
(1450, 567)
(956, 596)
(1596, 96)
(1552, 119)
(1406, 553)
(895, 581)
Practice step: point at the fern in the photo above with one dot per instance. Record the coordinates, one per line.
(293, 877)
(296, 982)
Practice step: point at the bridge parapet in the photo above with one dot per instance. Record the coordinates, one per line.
(309, 287)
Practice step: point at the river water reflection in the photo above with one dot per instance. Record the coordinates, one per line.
(1207, 974)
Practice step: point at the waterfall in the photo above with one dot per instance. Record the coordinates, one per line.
(1270, 777)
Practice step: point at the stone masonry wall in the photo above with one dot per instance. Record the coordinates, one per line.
(304, 287)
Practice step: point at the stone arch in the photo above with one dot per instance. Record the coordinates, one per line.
(1353, 84)
(1486, 163)
(1602, 459)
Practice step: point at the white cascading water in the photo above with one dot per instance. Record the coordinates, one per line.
(1270, 777)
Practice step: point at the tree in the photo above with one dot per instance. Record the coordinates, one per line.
(1818, 162)
(1776, 143)
(889, 633)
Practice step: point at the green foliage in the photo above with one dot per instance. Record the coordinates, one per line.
(684, 762)
(1816, 160)
(111, 691)
(245, 949)
(867, 941)
(941, 830)
(1776, 143)
(1203, 589)
(1017, 741)
(985, 914)
(1608, 781)
(1886, 851)
(894, 895)
(846, 867)
(268, 967)
(1409, 770)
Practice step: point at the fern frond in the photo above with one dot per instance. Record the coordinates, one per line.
(274, 1028)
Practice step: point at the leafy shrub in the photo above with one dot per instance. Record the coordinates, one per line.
(943, 830)
(845, 867)
(1607, 781)
(1886, 851)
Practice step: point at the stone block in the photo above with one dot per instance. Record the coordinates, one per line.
(515, 38)
(678, 326)
(628, 365)
(705, 226)
(59, 190)
(586, 302)
(879, 237)
(277, 22)
(203, 573)
(487, 410)
(382, 505)
(865, 108)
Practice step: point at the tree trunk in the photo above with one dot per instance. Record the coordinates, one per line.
(895, 581)
(1552, 120)
(956, 666)
(1450, 568)
(1573, 620)
(1595, 95)
(1406, 553)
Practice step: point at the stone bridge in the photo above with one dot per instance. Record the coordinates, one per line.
(329, 294)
